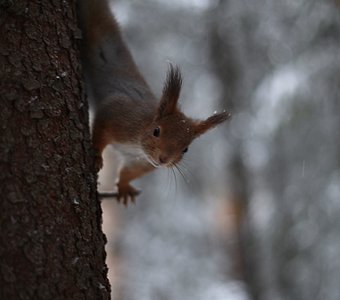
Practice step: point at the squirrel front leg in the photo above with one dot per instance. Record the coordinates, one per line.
(99, 141)
(128, 173)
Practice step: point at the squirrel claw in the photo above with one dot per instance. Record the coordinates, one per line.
(127, 193)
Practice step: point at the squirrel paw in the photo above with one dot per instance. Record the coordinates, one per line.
(127, 193)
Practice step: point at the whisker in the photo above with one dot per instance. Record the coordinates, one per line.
(186, 169)
(181, 173)
(175, 179)
(168, 183)
(169, 187)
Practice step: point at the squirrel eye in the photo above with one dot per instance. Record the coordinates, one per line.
(157, 132)
(185, 150)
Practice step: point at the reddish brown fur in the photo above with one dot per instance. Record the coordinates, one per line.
(126, 112)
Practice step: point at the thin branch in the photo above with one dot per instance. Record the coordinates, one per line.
(104, 195)
(107, 195)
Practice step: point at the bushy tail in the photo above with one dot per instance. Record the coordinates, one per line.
(104, 54)
(96, 21)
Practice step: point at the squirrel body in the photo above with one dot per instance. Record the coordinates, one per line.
(146, 132)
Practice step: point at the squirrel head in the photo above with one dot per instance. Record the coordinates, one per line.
(169, 135)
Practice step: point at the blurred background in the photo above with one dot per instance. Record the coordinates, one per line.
(256, 212)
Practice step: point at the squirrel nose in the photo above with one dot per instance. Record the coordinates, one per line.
(163, 159)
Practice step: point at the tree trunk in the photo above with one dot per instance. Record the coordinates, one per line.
(226, 64)
(51, 243)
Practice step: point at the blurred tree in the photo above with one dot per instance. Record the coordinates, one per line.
(51, 243)
(225, 62)
(286, 164)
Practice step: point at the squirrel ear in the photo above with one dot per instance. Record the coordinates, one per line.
(211, 122)
(171, 91)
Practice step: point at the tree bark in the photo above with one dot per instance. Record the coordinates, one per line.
(51, 243)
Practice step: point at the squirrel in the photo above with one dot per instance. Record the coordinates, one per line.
(148, 133)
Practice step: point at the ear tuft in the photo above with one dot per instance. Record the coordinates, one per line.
(212, 122)
(171, 91)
